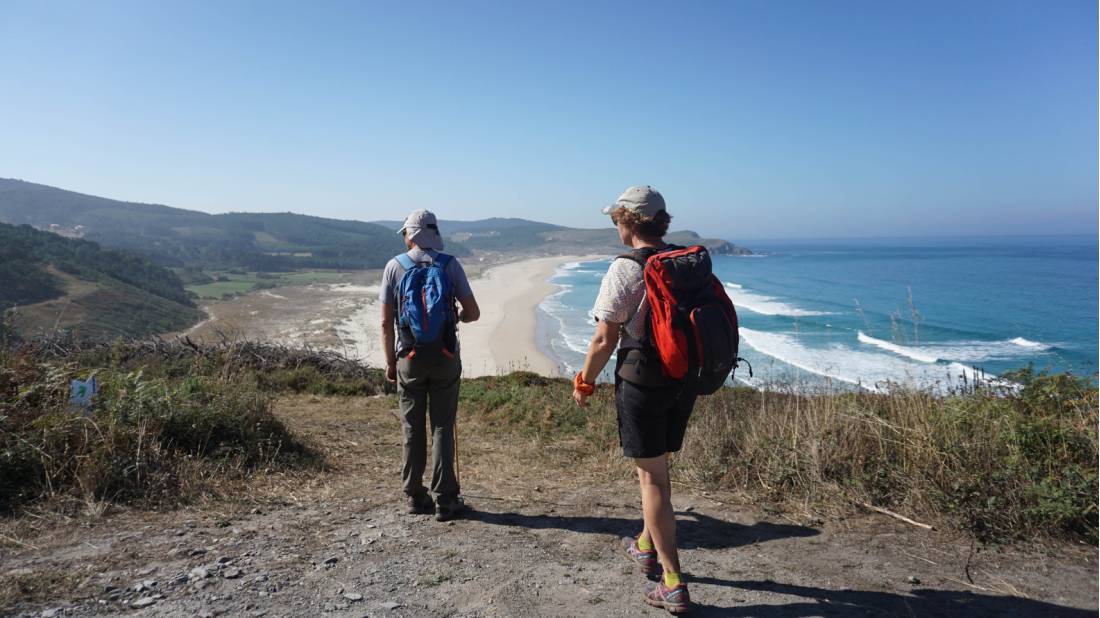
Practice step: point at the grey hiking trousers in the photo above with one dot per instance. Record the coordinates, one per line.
(429, 385)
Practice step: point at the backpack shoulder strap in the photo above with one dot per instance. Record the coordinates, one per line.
(641, 256)
(441, 260)
(638, 256)
(405, 261)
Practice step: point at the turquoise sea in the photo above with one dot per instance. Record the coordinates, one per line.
(931, 313)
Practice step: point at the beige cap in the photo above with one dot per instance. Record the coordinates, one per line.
(644, 200)
(421, 229)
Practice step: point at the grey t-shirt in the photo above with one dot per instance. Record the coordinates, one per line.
(391, 281)
(622, 299)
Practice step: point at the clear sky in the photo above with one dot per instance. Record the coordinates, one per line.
(766, 119)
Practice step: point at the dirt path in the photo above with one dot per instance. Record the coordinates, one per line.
(542, 540)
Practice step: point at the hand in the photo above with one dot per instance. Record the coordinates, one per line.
(580, 398)
(391, 373)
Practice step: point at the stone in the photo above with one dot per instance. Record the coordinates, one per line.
(913, 580)
(198, 551)
(143, 602)
(145, 585)
(198, 573)
(331, 560)
(390, 605)
(225, 560)
(232, 573)
(354, 597)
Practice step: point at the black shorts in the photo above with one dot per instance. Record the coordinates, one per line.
(652, 420)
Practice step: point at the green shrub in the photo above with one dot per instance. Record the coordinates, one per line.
(144, 438)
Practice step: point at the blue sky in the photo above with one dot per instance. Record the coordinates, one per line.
(755, 119)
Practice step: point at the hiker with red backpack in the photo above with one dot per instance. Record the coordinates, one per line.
(676, 333)
(420, 339)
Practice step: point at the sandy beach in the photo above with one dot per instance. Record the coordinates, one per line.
(347, 317)
(503, 340)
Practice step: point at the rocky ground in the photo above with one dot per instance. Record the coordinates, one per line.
(542, 539)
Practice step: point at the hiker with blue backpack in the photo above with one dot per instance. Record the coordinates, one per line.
(665, 315)
(419, 330)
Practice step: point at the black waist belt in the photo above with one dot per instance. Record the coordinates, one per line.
(642, 368)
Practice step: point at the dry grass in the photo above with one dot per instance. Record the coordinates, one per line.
(997, 466)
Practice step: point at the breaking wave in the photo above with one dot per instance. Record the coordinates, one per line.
(963, 351)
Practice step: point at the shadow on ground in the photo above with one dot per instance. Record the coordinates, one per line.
(696, 530)
(693, 530)
(919, 602)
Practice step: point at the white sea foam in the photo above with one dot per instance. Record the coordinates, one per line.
(912, 353)
(765, 305)
(961, 351)
(1027, 343)
(871, 370)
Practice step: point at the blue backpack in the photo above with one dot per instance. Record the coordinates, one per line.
(426, 304)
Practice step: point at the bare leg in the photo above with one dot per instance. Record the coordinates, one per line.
(660, 521)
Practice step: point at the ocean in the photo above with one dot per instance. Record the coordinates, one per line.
(869, 314)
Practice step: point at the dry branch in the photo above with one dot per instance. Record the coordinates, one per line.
(879, 509)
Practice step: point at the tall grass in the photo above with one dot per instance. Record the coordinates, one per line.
(152, 434)
(998, 465)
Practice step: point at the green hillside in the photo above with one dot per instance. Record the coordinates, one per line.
(178, 237)
(55, 282)
(270, 242)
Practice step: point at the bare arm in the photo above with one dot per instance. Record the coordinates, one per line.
(600, 349)
(388, 336)
(470, 312)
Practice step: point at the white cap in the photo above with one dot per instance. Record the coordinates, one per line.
(421, 229)
(644, 200)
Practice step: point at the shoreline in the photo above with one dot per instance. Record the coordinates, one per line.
(511, 335)
(508, 336)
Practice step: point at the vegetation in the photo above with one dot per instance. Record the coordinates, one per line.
(275, 242)
(100, 293)
(998, 466)
(1001, 466)
(168, 418)
(25, 253)
(179, 238)
(217, 285)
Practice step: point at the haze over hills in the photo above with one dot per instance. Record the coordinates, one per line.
(62, 283)
(282, 241)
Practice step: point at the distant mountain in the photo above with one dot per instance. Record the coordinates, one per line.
(482, 225)
(524, 236)
(178, 237)
(284, 241)
(55, 282)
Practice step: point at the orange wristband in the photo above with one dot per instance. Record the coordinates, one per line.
(583, 387)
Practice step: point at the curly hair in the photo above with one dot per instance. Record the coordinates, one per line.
(648, 227)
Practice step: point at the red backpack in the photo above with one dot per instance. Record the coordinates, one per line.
(692, 323)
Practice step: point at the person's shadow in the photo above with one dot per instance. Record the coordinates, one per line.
(693, 530)
(696, 530)
(919, 602)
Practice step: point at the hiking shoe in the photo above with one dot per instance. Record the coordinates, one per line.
(646, 560)
(675, 600)
(446, 511)
(420, 504)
